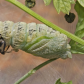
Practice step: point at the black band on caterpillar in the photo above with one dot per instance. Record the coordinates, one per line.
(37, 39)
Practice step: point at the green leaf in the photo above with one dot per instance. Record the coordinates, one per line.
(81, 2)
(72, 1)
(63, 5)
(59, 82)
(76, 47)
(47, 2)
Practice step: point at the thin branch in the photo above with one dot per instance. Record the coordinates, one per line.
(33, 71)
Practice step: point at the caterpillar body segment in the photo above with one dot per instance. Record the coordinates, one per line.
(37, 39)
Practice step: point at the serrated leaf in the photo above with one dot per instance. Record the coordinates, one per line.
(76, 47)
(47, 2)
(81, 2)
(59, 82)
(63, 5)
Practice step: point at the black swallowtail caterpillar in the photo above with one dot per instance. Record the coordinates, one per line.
(37, 39)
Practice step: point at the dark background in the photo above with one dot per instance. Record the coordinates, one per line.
(15, 64)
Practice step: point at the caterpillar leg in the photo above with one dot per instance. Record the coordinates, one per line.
(12, 50)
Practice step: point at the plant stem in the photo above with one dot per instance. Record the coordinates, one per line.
(33, 71)
(32, 13)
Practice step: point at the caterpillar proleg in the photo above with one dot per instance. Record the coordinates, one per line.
(37, 39)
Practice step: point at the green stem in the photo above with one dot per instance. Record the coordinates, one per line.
(32, 13)
(33, 71)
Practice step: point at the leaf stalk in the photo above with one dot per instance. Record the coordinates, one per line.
(32, 13)
(33, 71)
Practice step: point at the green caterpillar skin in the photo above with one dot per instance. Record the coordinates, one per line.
(37, 39)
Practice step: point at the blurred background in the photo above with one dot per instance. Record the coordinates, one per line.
(15, 64)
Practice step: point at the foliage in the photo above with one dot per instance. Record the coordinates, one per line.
(61, 5)
(76, 47)
(59, 82)
(47, 2)
(81, 2)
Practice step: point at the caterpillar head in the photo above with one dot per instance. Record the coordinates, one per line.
(3, 47)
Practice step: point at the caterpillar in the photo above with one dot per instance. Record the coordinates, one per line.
(30, 3)
(37, 39)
